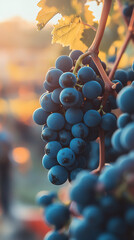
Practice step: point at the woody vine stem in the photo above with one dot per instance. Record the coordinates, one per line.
(109, 86)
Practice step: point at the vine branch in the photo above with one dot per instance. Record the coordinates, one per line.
(124, 46)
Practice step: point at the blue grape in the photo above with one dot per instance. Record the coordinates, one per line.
(52, 77)
(86, 74)
(92, 118)
(80, 130)
(64, 63)
(67, 79)
(83, 184)
(117, 226)
(119, 86)
(78, 145)
(94, 215)
(40, 116)
(49, 135)
(69, 97)
(109, 205)
(48, 105)
(57, 175)
(127, 137)
(48, 87)
(48, 162)
(73, 115)
(56, 121)
(75, 54)
(127, 10)
(107, 236)
(65, 137)
(57, 214)
(121, 75)
(43, 94)
(129, 216)
(74, 173)
(56, 95)
(44, 199)
(125, 99)
(108, 122)
(92, 90)
(66, 157)
(110, 178)
(123, 120)
(52, 148)
(116, 140)
(55, 235)
(130, 75)
(111, 59)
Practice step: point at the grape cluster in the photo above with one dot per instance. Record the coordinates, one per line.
(101, 208)
(71, 116)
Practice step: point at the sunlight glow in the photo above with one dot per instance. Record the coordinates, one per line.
(96, 9)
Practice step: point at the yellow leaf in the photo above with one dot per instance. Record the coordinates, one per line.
(77, 6)
(88, 15)
(45, 14)
(68, 32)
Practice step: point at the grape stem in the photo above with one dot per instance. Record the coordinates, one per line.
(93, 52)
(101, 152)
(124, 46)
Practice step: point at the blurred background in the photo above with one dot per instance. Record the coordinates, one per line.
(25, 56)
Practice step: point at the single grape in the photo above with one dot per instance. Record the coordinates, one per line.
(56, 121)
(125, 99)
(52, 77)
(40, 116)
(74, 115)
(56, 95)
(108, 122)
(78, 145)
(57, 214)
(121, 75)
(92, 90)
(48, 105)
(127, 137)
(80, 130)
(48, 162)
(69, 97)
(57, 175)
(64, 63)
(66, 157)
(65, 137)
(49, 135)
(86, 74)
(67, 79)
(92, 118)
(52, 148)
(123, 120)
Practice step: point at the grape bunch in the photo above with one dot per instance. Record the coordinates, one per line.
(101, 208)
(71, 113)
